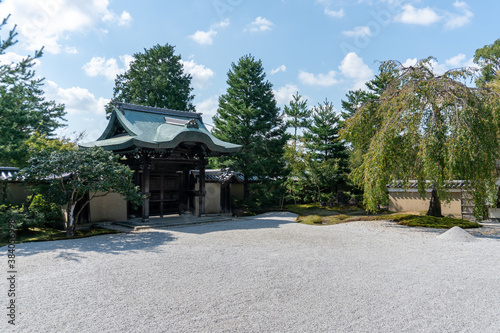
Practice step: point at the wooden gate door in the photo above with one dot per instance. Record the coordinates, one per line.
(165, 194)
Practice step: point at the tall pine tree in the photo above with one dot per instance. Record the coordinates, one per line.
(248, 115)
(24, 110)
(327, 161)
(298, 117)
(155, 78)
(298, 114)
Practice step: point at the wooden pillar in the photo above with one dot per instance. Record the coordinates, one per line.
(201, 187)
(184, 195)
(145, 189)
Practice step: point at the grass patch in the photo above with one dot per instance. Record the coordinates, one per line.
(315, 209)
(312, 214)
(434, 222)
(49, 234)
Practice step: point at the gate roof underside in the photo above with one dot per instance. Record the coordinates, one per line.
(133, 128)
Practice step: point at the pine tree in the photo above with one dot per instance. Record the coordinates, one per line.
(23, 108)
(327, 161)
(248, 115)
(155, 78)
(298, 115)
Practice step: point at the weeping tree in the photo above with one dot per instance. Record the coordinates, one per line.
(430, 128)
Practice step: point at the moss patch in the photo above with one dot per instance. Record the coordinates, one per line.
(434, 222)
(312, 214)
(49, 234)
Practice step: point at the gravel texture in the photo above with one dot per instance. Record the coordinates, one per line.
(264, 274)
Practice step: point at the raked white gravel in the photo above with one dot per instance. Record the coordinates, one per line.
(264, 274)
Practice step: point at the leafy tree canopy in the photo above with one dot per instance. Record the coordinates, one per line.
(69, 175)
(248, 115)
(488, 58)
(427, 127)
(155, 78)
(23, 108)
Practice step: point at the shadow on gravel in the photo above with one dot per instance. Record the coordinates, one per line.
(264, 221)
(110, 244)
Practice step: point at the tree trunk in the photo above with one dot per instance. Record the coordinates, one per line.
(246, 189)
(434, 205)
(70, 220)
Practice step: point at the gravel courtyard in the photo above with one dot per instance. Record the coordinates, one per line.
(264, 274)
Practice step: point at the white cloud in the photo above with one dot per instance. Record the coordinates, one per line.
(335, 13)
(332, 13)
(204, 37)
(284, 94)
(109, 68)
(437, 68)
(281, 68)
(259, 24)
(353, 67)
(50, 23)
(125, 18)
(456, 61)
(207, 37)
(71, 50)
(201, 74)
(460, 4)
(323, 80)
(423, 16)
(77, 100)
(127, 60)
(221, 24)
(208, 107)
(454, 21)
(360, 31)
(11, 57)
(410, 62)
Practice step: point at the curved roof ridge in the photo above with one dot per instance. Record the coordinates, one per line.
(163, 111)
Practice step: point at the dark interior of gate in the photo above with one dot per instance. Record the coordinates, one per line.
(163, 147)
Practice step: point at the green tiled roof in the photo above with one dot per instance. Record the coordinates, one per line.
(134, 126)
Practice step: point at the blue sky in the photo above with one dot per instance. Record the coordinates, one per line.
(322, 49)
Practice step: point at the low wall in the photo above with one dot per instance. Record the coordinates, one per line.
(411, 201)
(112, 207)
(212, 198)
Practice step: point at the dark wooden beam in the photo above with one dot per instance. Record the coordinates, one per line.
(201, 187)
(146, 164)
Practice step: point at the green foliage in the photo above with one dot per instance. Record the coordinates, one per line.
(426, 127)
(11, 213)
(38, 142)
(434, 222)
(23, 108)
(298, 115)
(49, 234)
(71, 174)
(40, 214)
(488, 58)
(45, 213)
(155, 78)
(326, 161)
(248, 115)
